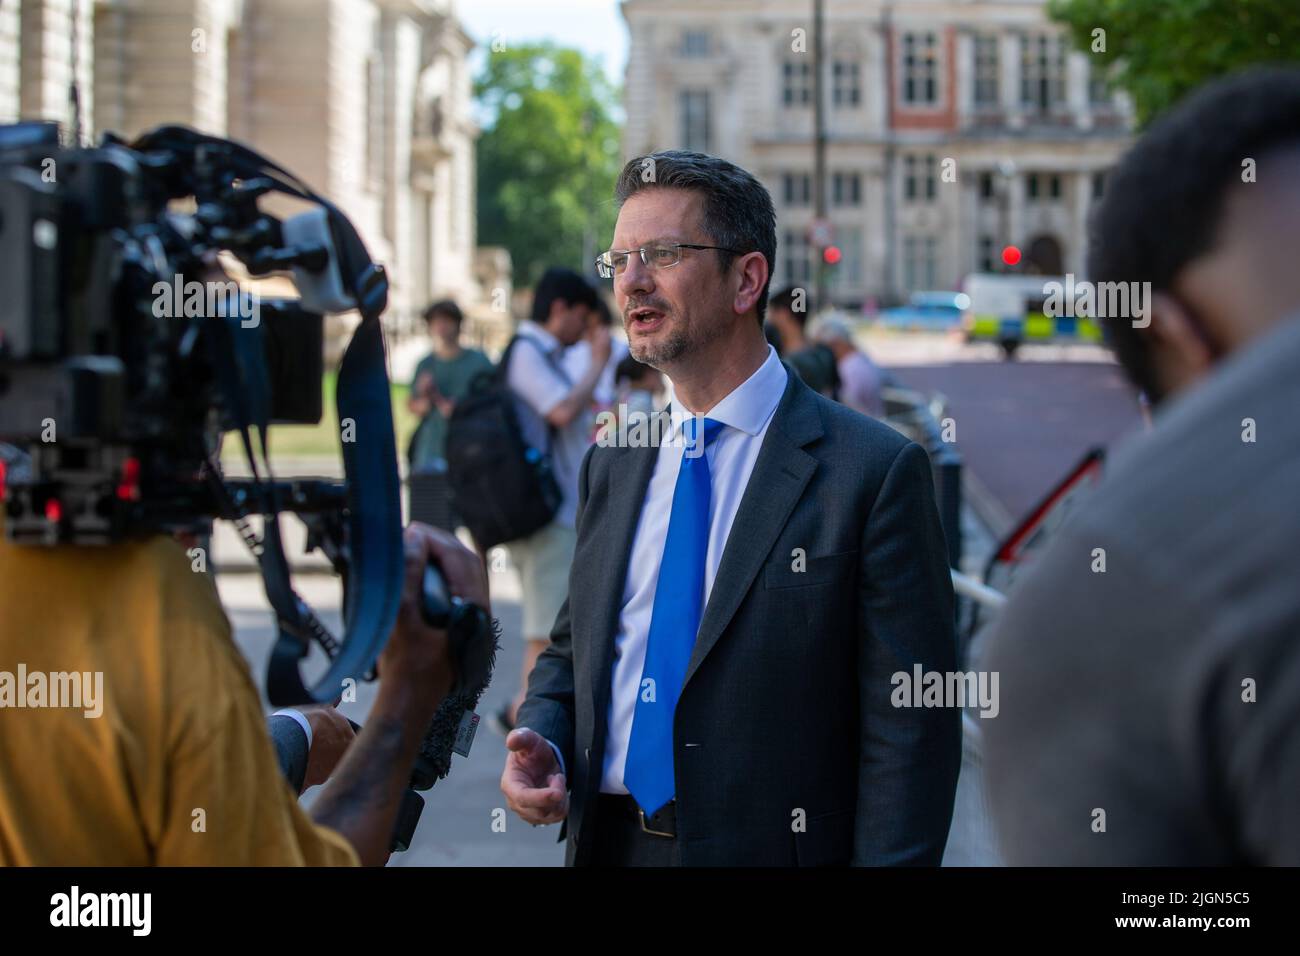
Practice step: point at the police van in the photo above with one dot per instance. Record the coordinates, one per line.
(1008, 309)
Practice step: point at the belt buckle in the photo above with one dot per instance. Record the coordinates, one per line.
(646, 829)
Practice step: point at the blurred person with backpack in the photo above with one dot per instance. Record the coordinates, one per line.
(514, 451)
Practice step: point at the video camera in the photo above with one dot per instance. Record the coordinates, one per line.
(126, 353)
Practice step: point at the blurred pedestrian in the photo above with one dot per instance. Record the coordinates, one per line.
(442, 378)
(639, 387)
(814, 363)
(1149, 662)
(577, 359)
(860, 378)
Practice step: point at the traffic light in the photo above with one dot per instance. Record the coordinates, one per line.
(831, 255)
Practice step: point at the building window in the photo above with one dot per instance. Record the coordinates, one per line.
(695, 120)
(846, 189)
(984, 258)
(987, 189)
(920, 69)
(846, 84)
(920, 263)
(796, 83)
(695, 43)
(1042, 72)
(797, 189)
(1042, 186)
(919, 176)
(986, 70)
(796, 259)
(1098, 185)
(1098, 89)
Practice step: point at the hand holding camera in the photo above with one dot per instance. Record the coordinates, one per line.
(418, 658)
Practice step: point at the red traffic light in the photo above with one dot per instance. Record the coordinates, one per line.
(831, 255)
(1011, 255)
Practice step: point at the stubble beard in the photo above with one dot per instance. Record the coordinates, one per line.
(686, 337)
(659, 354)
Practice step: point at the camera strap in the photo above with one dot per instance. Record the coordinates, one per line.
(373, 586)
(374, 583)
(363, 400)
(374, 541)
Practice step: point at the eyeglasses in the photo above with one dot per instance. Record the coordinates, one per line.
(657, 256)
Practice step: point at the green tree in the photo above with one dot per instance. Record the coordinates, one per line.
(1159, 50)
(548, 157)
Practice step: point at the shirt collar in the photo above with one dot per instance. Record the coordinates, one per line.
(746, 407)
(549, 342)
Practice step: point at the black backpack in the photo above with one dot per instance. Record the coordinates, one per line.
(502, 487)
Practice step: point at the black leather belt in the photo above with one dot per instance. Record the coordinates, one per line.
(663, 823)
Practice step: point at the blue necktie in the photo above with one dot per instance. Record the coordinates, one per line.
(674, 621)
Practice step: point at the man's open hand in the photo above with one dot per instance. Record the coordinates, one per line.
(532, 781)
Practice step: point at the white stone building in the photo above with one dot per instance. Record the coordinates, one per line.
(991, 85)
(367, 100)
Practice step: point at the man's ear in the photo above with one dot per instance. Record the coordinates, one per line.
(753, 276)
(1179, 351)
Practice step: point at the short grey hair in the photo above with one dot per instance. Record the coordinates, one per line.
(830, 328)
(738, 211)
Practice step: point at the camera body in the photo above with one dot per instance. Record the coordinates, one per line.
(115, 333)
(126, 352)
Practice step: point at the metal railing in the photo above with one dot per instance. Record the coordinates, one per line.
(917, 416)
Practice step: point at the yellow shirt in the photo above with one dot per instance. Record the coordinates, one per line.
(178, 768)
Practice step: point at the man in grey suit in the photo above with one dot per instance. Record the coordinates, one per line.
(1150, 660)
(718, 686)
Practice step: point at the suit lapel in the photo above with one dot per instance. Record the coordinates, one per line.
(626, 480)
(780, 475)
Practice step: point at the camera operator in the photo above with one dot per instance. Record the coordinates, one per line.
(171, 763)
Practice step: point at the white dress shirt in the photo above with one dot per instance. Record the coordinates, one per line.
(746, 411)
(541, 383)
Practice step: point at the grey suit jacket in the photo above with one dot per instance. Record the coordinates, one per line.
(291, 749)
(1150, 711)
(787, 748)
